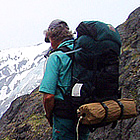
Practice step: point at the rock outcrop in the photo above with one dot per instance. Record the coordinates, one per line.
(25, 117)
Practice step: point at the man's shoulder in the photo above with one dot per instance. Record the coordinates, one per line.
(68, 43)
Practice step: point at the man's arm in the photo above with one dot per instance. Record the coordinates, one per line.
(48, 102)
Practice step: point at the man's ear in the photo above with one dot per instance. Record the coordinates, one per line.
(47, 40)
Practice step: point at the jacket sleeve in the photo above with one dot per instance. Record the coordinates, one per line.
(50, 79)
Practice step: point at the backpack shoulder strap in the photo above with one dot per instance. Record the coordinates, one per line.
(64, 49)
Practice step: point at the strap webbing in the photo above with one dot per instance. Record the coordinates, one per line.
(122, 109)
(106, 111)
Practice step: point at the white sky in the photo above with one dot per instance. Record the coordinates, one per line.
(22, 21)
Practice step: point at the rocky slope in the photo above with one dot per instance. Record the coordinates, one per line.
(25, 117)
(130, 57)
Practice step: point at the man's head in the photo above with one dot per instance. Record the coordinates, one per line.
(57, 32)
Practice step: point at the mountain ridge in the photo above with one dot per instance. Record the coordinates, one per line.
(15, 66)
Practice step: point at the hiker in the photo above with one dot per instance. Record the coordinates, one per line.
(56, 83)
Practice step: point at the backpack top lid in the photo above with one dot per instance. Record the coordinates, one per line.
(99, 31)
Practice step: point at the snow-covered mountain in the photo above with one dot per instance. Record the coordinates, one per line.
(21, 70)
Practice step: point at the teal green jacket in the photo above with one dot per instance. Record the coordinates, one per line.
(57, 76)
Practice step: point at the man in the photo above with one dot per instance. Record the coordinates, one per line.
(56, 83)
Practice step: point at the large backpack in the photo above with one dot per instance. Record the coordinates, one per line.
(95, 67)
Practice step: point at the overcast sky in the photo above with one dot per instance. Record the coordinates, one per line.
(22, 21)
